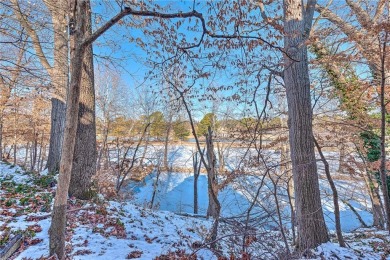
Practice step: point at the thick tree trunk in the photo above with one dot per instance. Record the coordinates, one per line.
(309, 215)
(59, 77)
(84, 160)
(58, 109)
(58, 224)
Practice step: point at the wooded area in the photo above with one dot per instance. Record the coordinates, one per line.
(103, 94)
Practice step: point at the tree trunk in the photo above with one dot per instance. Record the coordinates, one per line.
(15, 151)
(1, 138)
(26, 154)
(169, 127)
(43, 157)
(103, 153)
(383, 170)
(214, 206)
(341, 157)
(372, 188)
(356, 213)
(141, 162)
(40, 156)
(221, 158)
(58, 224)
(196, 163)
(309, 215)
(84, 160)
(34, 152)
(155, 187)
(59, 78)
(335, 196)
(286, 168)
(58, 109)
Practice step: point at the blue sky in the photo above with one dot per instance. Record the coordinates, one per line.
(132, 58)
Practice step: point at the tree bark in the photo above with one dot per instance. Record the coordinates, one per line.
(141, 162)
(383, 170)
(166, 141)
(1, 137)
(26, 154)
(84, 159)
(59, 78)
(377, 212)
(58, 224)
(196, 164)
(309, 215)
(286, 168)
(335, 195)
(221, 158)
(34, 151)
(214, 206)
(58, 109)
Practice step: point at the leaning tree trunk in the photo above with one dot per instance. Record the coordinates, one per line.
(339, 234)
(309, 215)
(58, 224)
(377, 209)
(84, 159)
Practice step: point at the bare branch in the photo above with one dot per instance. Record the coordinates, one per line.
(33, 34)
(129, 11)
(379, 10)
(352, 33)
(362, 15)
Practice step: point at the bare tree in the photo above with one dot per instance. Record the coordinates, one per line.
(6, 87)
(309, 215)
(57, 228)
(58, 72)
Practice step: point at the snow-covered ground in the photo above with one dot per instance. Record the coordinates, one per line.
(128, 229)
(175, 190)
